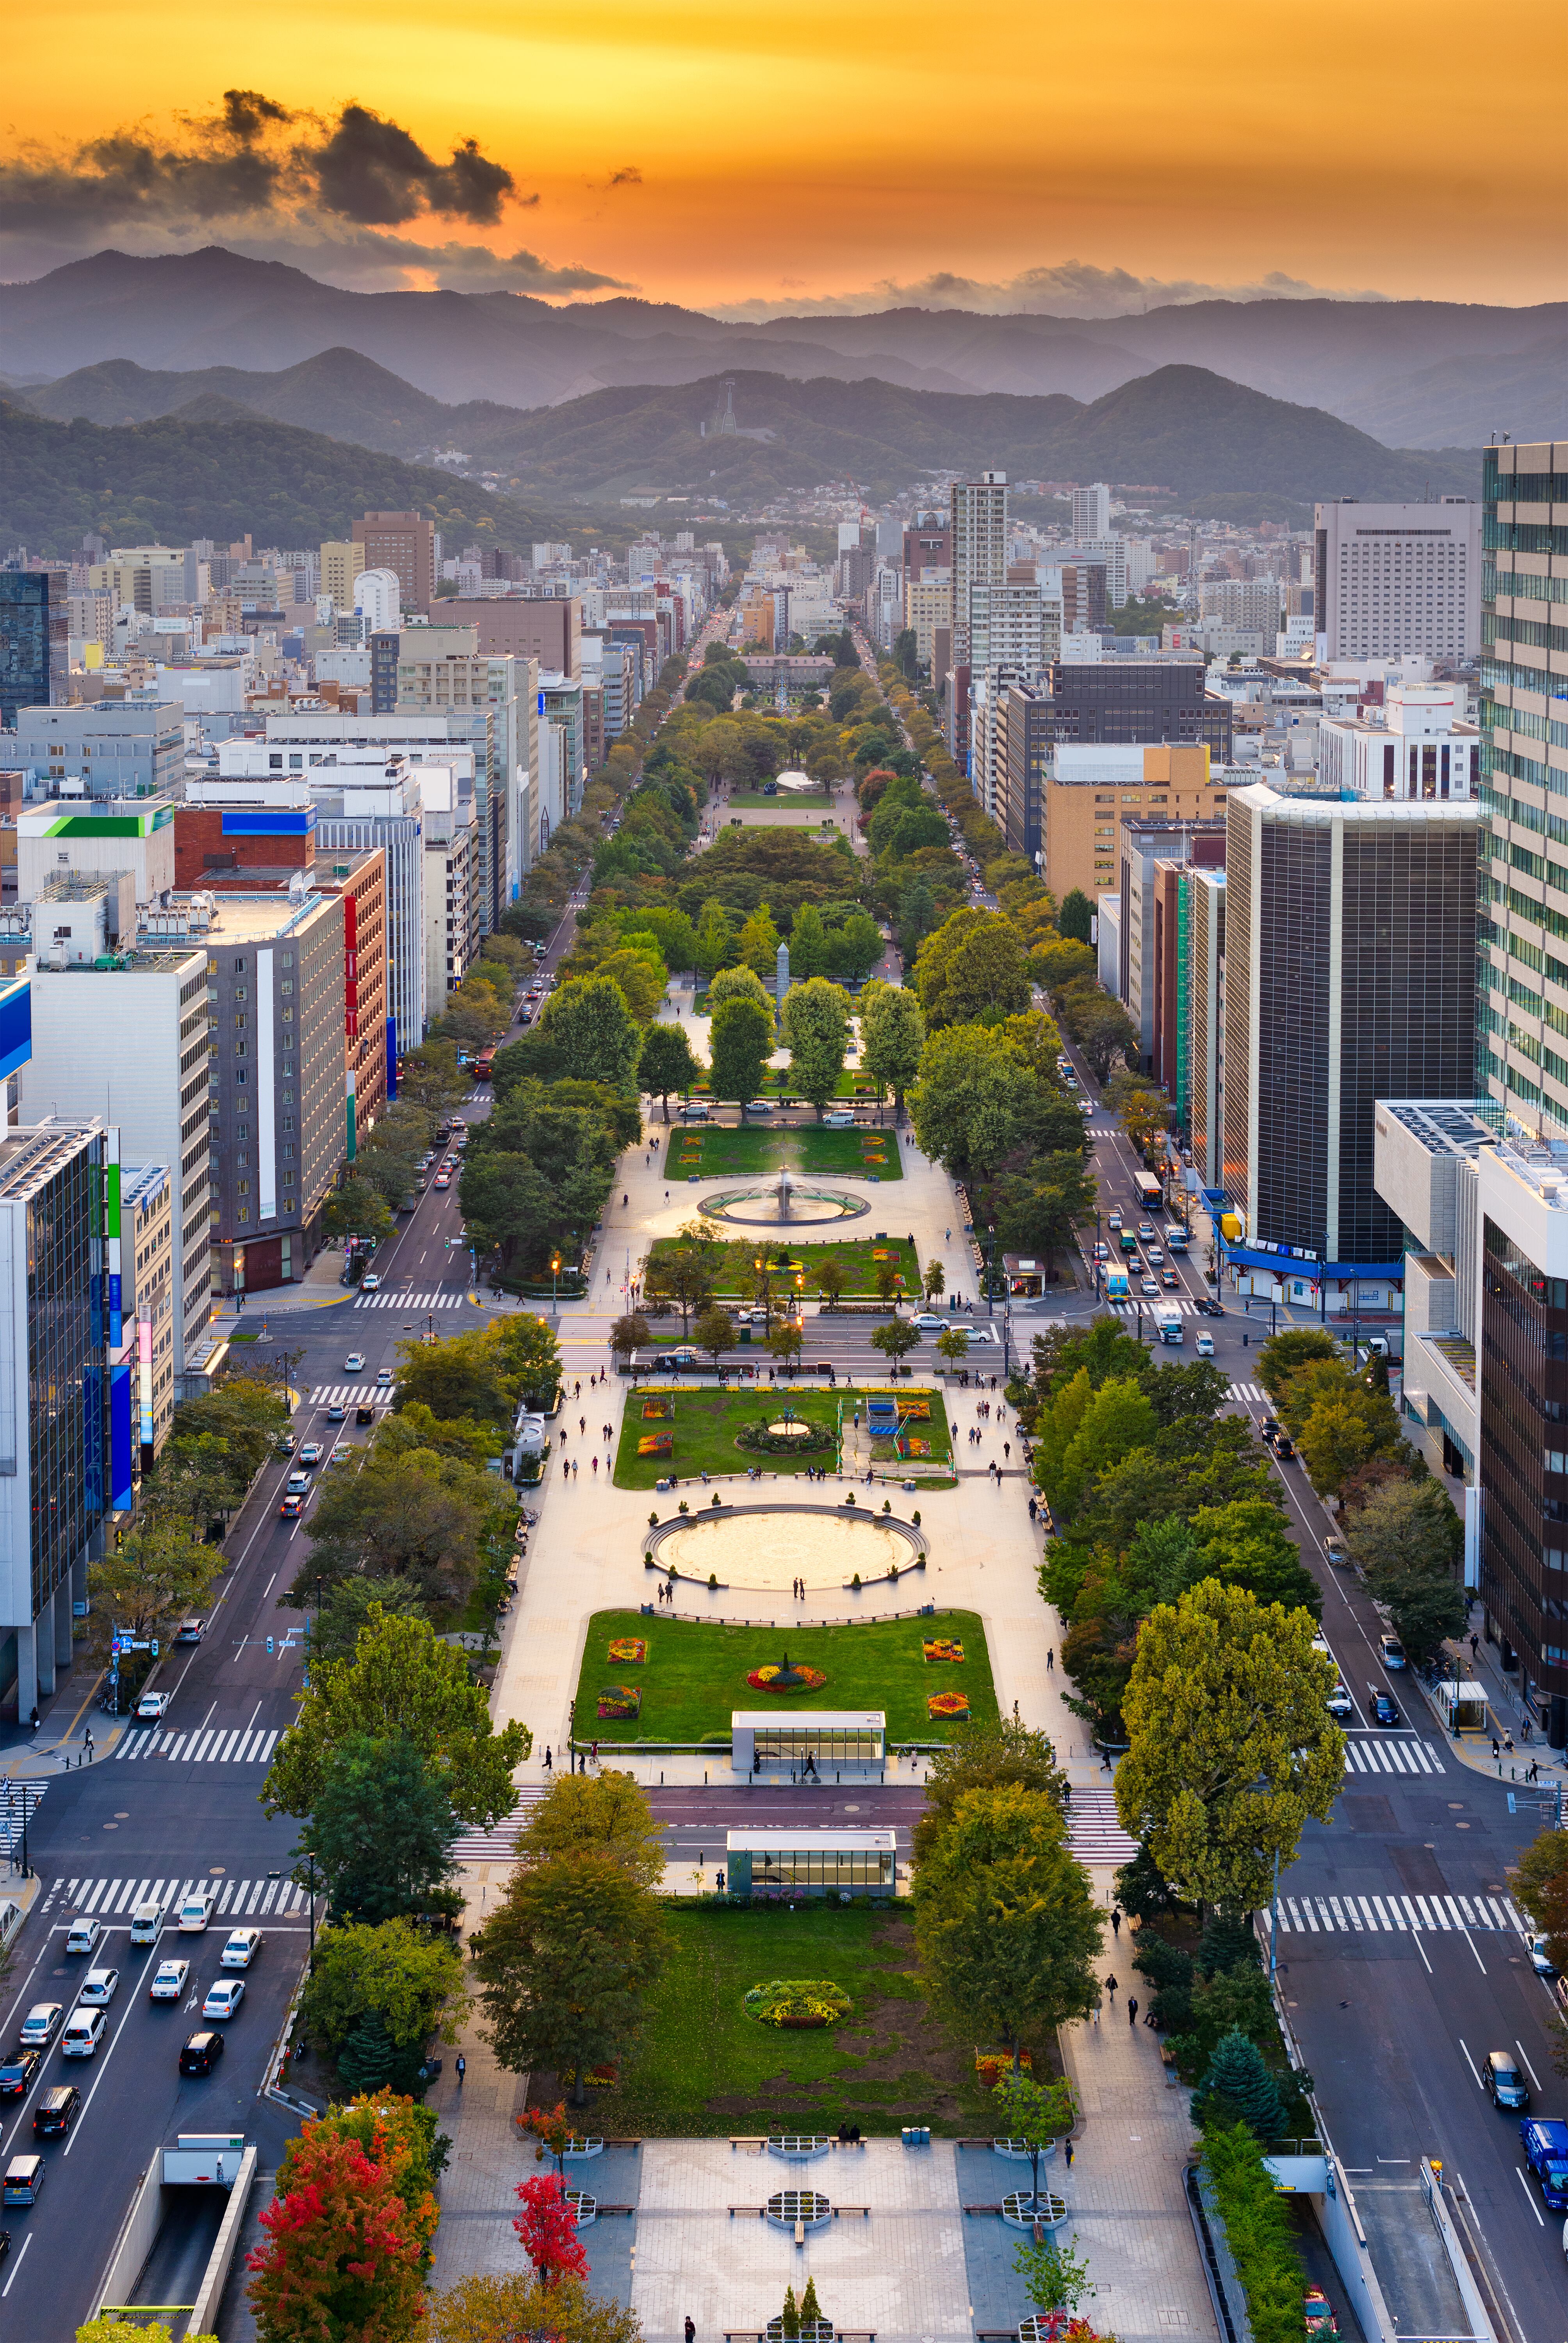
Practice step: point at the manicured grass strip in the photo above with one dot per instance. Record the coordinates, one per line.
(858, 1256)
(703, 2068)
(695, 1674)
(730, 1151)
(705, 1426)
(796, 802)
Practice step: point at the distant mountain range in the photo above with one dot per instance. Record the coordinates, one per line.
(1181, 429)
(1425, 374)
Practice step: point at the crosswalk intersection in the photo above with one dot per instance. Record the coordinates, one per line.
(1094, 1828)
(410, 1302)
(1249, 1394)
(496, 1846)
(349, 1395)
(219, 1745)
(1184, 1306)
(1392, 1752)
(1370, 1915)
(237, 1899)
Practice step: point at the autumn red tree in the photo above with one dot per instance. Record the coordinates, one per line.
(547, 2228)
(346, 2249)
(552, 2128)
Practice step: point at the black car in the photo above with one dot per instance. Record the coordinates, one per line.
(16, 2074)
(56, 2111)
(1284, 1448)
(201, 2054)
(1381, 1705)
(1208, 1308)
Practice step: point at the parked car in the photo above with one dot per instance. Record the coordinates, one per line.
(1337, 1551)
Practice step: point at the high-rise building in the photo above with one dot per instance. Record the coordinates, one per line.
(34, 639)
(1155, 851)
(442, 671)
(1090, 513)
(1350, 976)
(1399, 581)
(1016, 626)
(928, 545)
(1205, 1042)
(451, 862)
(341, 563)
(116, 747)
(278, 1108)
(978, 530)
(1253, 604)
(127, 1033)
(1522, 1045)
(360, 879)
(928, 606)
(403, 541)
(54, 1389)
(545, 628)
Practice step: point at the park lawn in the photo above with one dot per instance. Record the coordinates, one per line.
(857, 1257)
(801, 801)
(703, 2068)
(705, 1424)
(934, 1428)
(730, 1151)
(694, 1676)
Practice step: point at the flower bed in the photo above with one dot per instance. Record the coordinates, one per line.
(953, 1707)
(993, 2067)
(628, 1651)
(941, 1647)
(620, 1701)
(656, 1444)
(776, 1679)
(660, 1406)
(800, 1439)
(798, 2002)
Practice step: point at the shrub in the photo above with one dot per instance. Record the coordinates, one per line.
(1257, 2230)
(797, 2001)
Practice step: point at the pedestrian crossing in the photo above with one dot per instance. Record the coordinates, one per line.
(1094, 1829)
(497, 1845)
(1164, 1299)
(410, 1302)
(1249, 1394)
(1405, 1752)
(349, 1395)
(1370, 1915)
(19, 1802)
(237, 1899)
(220, 1745)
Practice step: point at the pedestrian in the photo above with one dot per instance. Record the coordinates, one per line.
(1116, 1921)
(1034, 1509)
(691, 2330)
(1015, 1714)
(549, 1761)
(582, 1420)
(596, 1467)
(1007, 1448)
(1533, 1771)
(1067, 2151)
(1110, 1990)
(1049, 1661)
(578, 1389)
(574, 1468)
(1507, 1745)
(462, 2069)
(1132, 2009)
(595, 1753)
(1474, 1648)
(1496, 1750)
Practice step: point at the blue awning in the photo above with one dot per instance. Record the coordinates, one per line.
(1285, 1265)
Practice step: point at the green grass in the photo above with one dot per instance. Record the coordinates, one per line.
(799, 801)
(729, 1151)
(704, 2068)
(707, 1421)
(695, 1674)
(855, 1254)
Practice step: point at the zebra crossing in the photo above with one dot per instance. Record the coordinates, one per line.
(237, 1899)
(496, 1846)
(221, 1745)
(1371, 1916)
(19, 1802)
(1094, 1829)
(1405, 1752)
(349, 1395)
(1165, 1300)
(410, 1302)
(1248, 1394)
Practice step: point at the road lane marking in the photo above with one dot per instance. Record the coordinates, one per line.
(1470, 1940)
(1534, 2076)
(130, 2005)
(1420, 1948)
(16, 2266)
(1470, 2064)
(1529, 2195)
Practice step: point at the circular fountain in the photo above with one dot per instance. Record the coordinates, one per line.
(784, 1203)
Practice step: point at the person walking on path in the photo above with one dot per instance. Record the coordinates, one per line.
(691, 2330)
(1049, 1661)
(462, 2069)
(1067, 2150)
(1110, 1990)
(1132, 2009)
(549, 1761)
(1116, 1921)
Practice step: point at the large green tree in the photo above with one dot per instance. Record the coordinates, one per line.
(740, 1045)
(382, 1831)
(565, 1962)
(400, 1679)
(1232, 1749)
(605, 1813)
(407, 1978)
(892, 1036)
(989, 1757)
(974, 1103)
(1006, 1922)
(1041, 1208)
(667, 1063)
(816, 1029)
(596, 1033)
(972, 971)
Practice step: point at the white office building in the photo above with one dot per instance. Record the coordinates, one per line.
(1413, 746)
(1399, 581)
(978, 523)
(1091, 512)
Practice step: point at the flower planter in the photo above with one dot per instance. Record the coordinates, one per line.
(1020, 2210)
(585, 2208)
(788, 2208)
(799, 2147)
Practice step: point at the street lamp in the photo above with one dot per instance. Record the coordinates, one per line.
(990, 1270)
(555, 1273)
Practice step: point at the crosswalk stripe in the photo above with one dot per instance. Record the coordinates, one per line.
(219, 1745)
(1247, 1392)
(112, 1897)
(410, 1302)
(1371, 1915)
(1408, 1754)
(350, 1395)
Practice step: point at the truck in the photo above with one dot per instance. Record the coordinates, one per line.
(1176, 1237)
(1116, 1286)
(1169, 1323)
(1128, 1240)
(1545, 2139)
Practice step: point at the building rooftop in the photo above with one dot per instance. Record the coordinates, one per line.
(141, 1185)
(804, 1840)
(31, 1155)
(1446, 1126)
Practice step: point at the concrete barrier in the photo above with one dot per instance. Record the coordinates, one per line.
(204, 2314)
(135, 2242)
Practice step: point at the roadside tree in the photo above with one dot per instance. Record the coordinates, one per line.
(565, 1961)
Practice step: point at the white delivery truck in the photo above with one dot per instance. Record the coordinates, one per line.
(1169, 1322)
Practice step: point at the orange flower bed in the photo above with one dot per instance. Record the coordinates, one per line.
(627, 1651)
(952, 1706)
(993, 2066)
(767, 1680)
(941, 1647)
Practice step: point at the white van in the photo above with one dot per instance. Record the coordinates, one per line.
(147, 1924)
(842, 1119)
(195, 1911)
(83, 2032)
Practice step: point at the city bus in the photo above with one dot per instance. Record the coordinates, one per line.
(1148, 1191)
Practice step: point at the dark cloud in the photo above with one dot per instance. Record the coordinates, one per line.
(374, 172)
(255, 165)
(628, 175)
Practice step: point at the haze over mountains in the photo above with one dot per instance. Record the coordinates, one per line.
(1418, 374)
(1181, 427)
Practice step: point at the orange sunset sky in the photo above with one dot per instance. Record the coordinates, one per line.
(777, 155)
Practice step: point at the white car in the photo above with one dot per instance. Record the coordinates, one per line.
(83, 1936)
(353, 1364)
(169, 1981)
(98, 1986)
(1541, 1960)
(38, 2025)
(152, 1705)
(1205, 1346)
(370, 1283)
(1321, 1644)
(1340, 1703)
(930, 1324)
(224, 1996)
(195, 1911)
(242, 1946)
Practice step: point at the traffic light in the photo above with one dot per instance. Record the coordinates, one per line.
(269, 1647)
